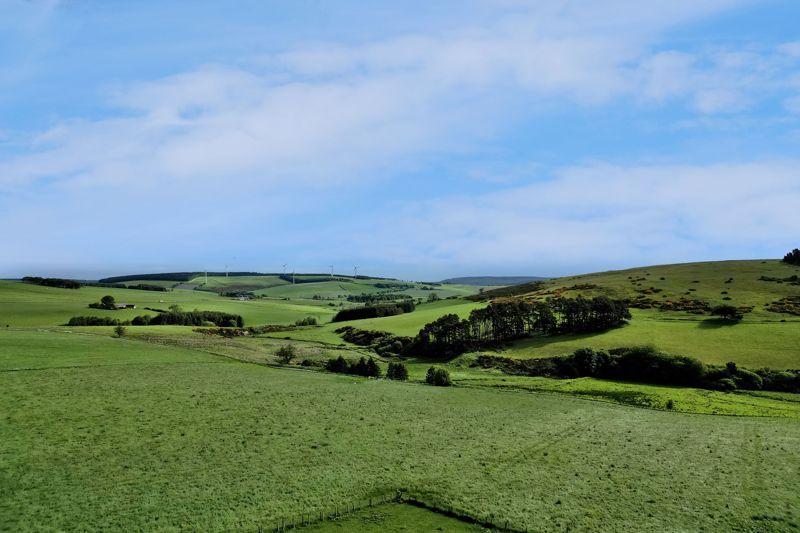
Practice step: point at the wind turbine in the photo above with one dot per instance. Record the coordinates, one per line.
(331, 271)
(355, 272)
(284, 269)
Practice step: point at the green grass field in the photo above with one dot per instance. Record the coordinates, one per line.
(393, 518)
(165, 438)
(407, 324)
(24, 305)
(750, 344)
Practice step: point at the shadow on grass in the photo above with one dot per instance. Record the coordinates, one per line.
(716, 323)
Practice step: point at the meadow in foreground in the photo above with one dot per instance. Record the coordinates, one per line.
(165, 443)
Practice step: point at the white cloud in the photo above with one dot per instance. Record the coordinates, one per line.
(330, 112)
(281, 128)
(606, 216)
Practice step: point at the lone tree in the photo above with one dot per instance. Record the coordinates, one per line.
(433, 297)
(108, 302)
(793, 257)
(727, 312)
(286, 353)
(120, 331)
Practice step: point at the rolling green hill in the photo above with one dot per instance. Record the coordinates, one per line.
(22, 304)
(762, 338)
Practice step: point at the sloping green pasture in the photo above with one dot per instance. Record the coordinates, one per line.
(752, 344)
(24, 305)
(220, 446)
(708, 281)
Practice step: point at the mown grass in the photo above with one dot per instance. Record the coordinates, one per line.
(228, 445)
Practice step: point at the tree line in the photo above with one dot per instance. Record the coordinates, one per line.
(793, 257)
(506, 320)
(374, 311)
(645, 364)
(52, 282)
(171, 318)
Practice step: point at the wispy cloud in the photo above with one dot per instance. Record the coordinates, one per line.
(294, 129)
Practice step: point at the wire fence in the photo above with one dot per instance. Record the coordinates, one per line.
(401, 496)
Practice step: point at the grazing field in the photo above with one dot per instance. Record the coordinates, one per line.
(762, 339)
(24, 305)
(159, 442)
(407, 324)
(753, 344)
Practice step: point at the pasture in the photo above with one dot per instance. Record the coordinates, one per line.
(24, 305)
(173, 439)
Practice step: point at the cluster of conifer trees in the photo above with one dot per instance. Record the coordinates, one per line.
(374, 311)
(506, 320)
(793, 257)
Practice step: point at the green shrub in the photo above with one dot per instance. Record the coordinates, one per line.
(120, 331)
(397, 371)
(286, 353)
(438, 377)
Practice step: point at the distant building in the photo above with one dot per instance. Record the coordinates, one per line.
(126, 306)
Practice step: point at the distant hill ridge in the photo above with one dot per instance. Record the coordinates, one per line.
(186, 276)
(485, 281)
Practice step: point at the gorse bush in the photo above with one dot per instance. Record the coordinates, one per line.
(362, 367)
(382, 342)
(307, 321)
(397, 371)
(645, 364)
(286, 353)
(438, 377)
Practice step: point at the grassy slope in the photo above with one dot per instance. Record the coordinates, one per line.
(407, 324)
(27, 305)
(710, 278)
(750, 344)
(762, 339)
(227, 445)
(347, 287)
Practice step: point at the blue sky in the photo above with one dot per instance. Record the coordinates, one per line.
(414, 139)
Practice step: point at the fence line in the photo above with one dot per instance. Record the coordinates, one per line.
(401, 496)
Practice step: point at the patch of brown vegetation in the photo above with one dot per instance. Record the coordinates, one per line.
(789, 305)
